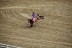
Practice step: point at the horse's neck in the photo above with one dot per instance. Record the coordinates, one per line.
(38, 18)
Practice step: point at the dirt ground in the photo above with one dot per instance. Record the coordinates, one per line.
(54, 31)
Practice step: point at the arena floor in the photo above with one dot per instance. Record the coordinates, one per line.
(54, 31)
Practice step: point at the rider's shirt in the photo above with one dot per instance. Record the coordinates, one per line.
(34, 15)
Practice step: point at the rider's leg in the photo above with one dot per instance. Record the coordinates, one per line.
(34, 19)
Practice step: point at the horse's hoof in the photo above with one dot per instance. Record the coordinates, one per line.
(30, 27)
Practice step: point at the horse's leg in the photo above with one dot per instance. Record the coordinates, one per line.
(31, 25)
(31, 22)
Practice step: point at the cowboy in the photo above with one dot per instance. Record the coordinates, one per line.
(34, 17)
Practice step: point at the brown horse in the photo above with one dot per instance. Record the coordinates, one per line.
(32, 22)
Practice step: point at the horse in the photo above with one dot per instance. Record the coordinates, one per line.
(32, 22)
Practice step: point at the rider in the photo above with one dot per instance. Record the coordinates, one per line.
(34, 16)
